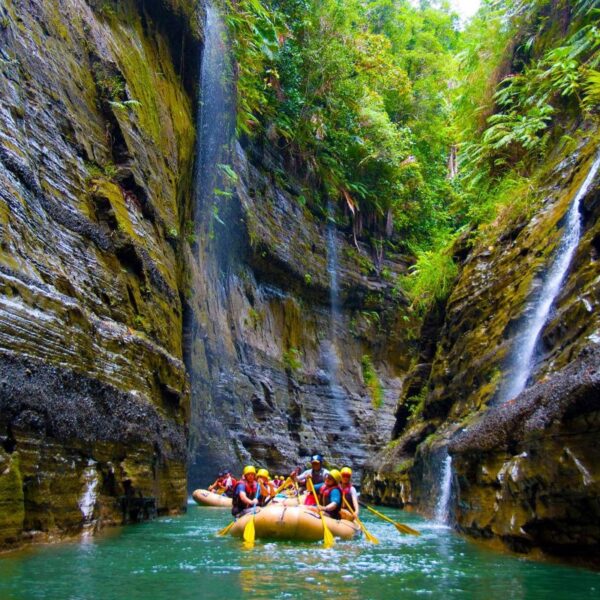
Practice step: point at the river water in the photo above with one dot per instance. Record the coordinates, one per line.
(180, 558)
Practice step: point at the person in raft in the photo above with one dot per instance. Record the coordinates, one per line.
(229, 483)
(316, 473)
(219, 484)
(330, 495)
(245, 495)
(266, 488)
(349, 493)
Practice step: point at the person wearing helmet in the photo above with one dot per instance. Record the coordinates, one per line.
(245, 494)
(330, 495)
(316, 473)
(266, 489)
(349, 492)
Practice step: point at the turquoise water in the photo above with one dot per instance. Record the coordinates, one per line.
(180, 557)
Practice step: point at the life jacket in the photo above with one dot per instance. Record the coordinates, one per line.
(324, 495)
(347, 494)
(237, 506)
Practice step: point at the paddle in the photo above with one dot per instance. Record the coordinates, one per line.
(250, 531)
(279, 489)
(297, 492)
(226, 529)
(328, 540)
(368, 534)
(399, 526)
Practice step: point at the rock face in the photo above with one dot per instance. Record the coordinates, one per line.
(263, 381)
(96, 152)
(525, 471)
(115, 305)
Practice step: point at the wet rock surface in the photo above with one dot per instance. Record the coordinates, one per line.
(263, 381)
(524, 470)
(96, 151)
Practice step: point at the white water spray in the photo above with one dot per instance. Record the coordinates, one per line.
(442, 508)
(538, 309)
(87, 501)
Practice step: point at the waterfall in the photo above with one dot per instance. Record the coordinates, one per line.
(215, 122)
(338, 395)
(442, 508)
(216, 238)
(538, 308)
(87, 501)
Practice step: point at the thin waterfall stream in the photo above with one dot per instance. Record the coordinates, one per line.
(338, 394)
(442, 508)
(521, 361)
(215, 120)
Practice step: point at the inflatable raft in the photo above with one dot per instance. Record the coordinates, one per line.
(206, 498)
(277, 522)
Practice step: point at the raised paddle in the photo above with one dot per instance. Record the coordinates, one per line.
(368, 534)
(328, 540)
(279, 489)
(399, 526)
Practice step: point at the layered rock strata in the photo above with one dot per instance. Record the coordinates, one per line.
(524, 471)
(96, 152)
(262, 374)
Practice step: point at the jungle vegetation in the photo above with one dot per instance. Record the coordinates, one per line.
(420, 127)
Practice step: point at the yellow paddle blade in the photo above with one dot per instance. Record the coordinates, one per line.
(328, 539)
(225, 530)
(370, 537)
(249, 533)
(406, 529)
(399, 526)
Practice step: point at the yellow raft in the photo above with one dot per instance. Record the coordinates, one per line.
(277, 522)
(206, 498)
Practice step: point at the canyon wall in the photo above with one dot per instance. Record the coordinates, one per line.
(96, 155)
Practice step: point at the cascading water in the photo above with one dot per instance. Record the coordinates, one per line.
(537, 310)
(442, 508)
(330, 348)
(215, 229)
(215, 120)
(87, 501)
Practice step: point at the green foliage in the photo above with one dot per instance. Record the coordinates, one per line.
(255, 41)
(431, 279)
(364, 263)
(372, 381)
(291, 360)
(357, 94)
(553, 72)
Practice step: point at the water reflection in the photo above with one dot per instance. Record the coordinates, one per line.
(183, 558)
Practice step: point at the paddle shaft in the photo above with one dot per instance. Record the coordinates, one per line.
(368, 534)
(327, 535)
(376, 512)
(281, 487)
(399, 526)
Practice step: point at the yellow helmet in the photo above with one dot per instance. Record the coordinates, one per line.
(263, 473)
(346, 471)
(249, 469)
(336, 475)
